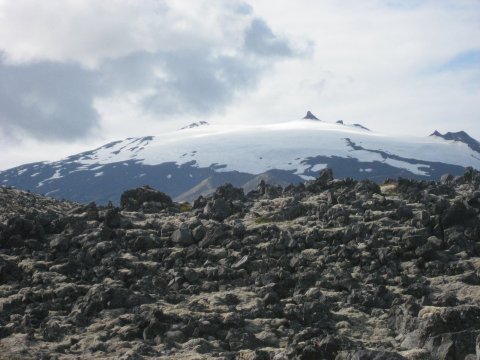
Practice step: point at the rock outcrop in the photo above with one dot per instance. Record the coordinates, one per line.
(330, 269)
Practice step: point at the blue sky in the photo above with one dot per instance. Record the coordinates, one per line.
(76, 74)
(466, 60)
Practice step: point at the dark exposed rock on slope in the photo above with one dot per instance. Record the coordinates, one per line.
(460, 136)
(330, 269)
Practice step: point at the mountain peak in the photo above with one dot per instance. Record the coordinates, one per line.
(195, 124)
(460, 136)
(310, 116)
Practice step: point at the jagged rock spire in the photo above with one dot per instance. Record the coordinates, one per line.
(310, 116)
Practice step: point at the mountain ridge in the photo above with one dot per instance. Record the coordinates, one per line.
(287, 152)
(460, 136)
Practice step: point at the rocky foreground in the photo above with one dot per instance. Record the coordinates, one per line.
(334, 269)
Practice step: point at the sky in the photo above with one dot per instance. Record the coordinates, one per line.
(75, 74)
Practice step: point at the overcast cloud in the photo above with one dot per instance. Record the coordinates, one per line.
(179, 62)
(77, 73)
(47, 100)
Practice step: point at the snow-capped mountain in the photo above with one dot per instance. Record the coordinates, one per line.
(196, 158)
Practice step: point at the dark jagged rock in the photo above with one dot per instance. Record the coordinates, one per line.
(333, 269)
(112, 218)
(320, 183)
(361, 127)
(218, 209)
(133, 200)
(460, 136)
(310, 116)
(182, 236)
(456, 213)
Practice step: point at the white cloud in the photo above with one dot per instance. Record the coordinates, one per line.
(376, 63)
(90, 31)
(176, 58)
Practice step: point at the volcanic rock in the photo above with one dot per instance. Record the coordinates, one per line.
(333, 269)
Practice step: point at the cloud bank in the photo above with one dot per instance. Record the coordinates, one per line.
(179, 59)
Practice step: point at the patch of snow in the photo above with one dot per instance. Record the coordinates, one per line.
(33, 175)
(56, 175)
(301, 168)
(413, 168)
(85, 167)
(99, 174)
(169, 176)
(307, 177)
(318, 167)
(20, 172)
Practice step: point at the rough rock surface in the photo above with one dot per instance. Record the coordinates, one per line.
(334, 269)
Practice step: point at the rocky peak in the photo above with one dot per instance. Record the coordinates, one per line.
(195, 124)
(310, 116)
(460, 136)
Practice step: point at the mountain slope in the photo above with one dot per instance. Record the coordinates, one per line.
(178, 162)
